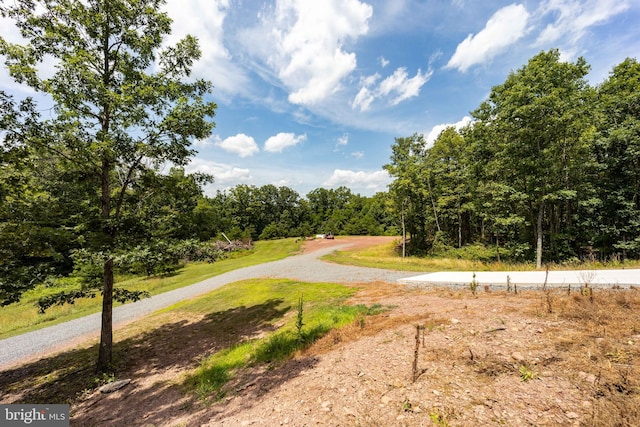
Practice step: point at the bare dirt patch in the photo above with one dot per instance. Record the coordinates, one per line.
(495, 358)
(354, 242)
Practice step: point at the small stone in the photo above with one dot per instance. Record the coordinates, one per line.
(455, 321)
(114, 386)
(572, 415)
(436, 392)
(517, 356)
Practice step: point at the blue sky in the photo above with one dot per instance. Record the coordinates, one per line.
(312, 93)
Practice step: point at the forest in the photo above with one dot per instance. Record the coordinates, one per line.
(549, 169)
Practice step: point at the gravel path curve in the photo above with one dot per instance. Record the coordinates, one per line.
(306, 267)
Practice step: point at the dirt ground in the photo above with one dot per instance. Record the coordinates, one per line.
(436, 357)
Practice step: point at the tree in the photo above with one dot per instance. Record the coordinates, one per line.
(447, 165)
(617, 150)
(538, 117)
(113, 118)
(412, 190)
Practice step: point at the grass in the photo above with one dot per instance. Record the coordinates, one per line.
(23, 316)
(279, 337)
(386, 257)
(248, 323)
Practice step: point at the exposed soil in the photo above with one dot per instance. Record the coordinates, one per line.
(437, 357)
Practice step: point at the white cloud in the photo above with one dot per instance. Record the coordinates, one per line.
(437, 129)
(383, 61)
(302, 42)
(398, 85)
(208, 142)
(574, 18)
(204, 19)
(279, 142)
(365, 96)
(377, 180)
(504, 28)
(358, 154)
(240, 144)
(223, 174)
(403, 86)
(343, 140)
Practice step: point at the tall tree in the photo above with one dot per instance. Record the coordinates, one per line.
(122, 102)
(448, 167)
(412, 190)
(538, 117)
(618, 151)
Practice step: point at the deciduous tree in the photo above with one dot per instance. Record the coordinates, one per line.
(123, 103)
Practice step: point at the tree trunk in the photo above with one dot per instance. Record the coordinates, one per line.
(404, 235)
(106, 331)
(539, 236)
(459, 229)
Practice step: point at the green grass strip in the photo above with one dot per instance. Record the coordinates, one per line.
(23, 316)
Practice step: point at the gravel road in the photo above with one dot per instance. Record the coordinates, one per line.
(306, 267)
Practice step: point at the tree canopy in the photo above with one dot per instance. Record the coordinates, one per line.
(548, 169)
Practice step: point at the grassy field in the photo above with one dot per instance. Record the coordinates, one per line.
(386, 257)
(23, 317)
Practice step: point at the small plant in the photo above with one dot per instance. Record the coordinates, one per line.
(473, 286)
(549, 301)
(527, 374)
(438, 420)
(105, 378)
(407, 406)
(299, 319)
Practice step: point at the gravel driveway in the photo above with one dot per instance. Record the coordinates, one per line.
(306, 267)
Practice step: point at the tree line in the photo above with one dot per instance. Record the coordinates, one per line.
(270, 212)
(549, 169)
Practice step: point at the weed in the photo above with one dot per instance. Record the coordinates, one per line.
(549, 300)
(105, 378)
(438, 419)
(527, 374)
(473, 286)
